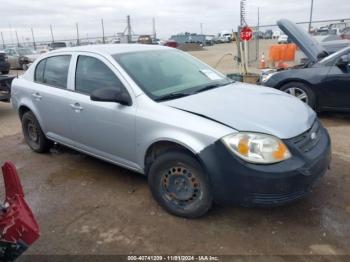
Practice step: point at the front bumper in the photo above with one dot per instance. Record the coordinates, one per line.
(236, 181)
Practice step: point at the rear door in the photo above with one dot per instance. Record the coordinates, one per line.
(337, 87)
(50, 95)
(104, 129)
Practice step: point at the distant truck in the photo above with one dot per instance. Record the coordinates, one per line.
(224, 37)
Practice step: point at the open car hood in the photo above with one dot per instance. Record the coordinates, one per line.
(311, 48)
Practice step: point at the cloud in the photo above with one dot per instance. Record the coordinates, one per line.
(172, 17)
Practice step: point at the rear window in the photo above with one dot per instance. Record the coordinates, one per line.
(53, 71)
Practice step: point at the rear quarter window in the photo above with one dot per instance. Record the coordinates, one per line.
(39, 72)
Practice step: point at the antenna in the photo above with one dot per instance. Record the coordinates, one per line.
(243, 13)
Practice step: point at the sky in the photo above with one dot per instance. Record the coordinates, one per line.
(171, 16)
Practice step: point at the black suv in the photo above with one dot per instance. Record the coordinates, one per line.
(4, 64)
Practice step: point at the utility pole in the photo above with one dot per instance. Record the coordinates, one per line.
(311, 13)
(154, 29)
(103, 32)
(34, 45)
(201, 25)
(17, 38)
(77, 28)
(53, 40)
(3, 41)
(128, 28)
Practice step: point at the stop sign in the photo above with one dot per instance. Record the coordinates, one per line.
(246, 34)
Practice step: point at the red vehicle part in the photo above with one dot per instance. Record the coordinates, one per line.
(171, 43)
(18, 227)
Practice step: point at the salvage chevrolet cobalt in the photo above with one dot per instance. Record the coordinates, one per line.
(198, 137)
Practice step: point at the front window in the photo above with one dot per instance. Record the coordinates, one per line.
(25, 51)
(160, 73)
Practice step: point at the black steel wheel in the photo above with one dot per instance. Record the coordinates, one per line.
(33, 134)
(179, 184)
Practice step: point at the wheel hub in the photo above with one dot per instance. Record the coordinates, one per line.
(298, 93)
(180, 185)
(32, 132)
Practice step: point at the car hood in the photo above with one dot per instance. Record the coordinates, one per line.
(252, 108)
(311, 48)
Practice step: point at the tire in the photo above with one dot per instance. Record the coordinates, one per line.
(180, 185)
(5, 72)
(300, 89)
(24, 67)
(33, 134)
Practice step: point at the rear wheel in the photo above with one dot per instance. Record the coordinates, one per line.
(300, 91)
(179, 184)
(33, 134)
(5, 72)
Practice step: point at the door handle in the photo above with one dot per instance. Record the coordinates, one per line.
(37, 96)
(76, 107)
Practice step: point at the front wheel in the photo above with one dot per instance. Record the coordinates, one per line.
(5, 72)
(300, 91)
(180, 185)
(33, 134)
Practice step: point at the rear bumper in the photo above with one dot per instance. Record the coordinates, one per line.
(236, 181)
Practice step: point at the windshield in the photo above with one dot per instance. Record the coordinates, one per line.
(161, 73)
(331, 57)
(25, 51)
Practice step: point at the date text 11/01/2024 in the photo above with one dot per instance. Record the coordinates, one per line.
(173, 258)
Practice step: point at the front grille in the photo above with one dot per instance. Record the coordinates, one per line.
(308, 140)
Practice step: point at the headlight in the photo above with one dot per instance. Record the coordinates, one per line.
(265, 78)
(257, 148)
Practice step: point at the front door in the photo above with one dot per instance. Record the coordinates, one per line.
(105, 129)
(337, 84)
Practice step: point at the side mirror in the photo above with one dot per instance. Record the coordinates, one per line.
(117, 95)
(343, 60)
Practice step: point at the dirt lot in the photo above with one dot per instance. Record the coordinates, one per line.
(86, 206)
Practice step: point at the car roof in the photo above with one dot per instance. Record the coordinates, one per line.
(111, 49)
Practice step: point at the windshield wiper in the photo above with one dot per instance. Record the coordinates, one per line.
(211, 86)
(171, 96)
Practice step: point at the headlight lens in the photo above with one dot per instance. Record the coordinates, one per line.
(265, 78)
(257, 148)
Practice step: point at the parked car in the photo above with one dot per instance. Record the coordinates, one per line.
(170, 43)
(20, 58)
(196, 135)
(268, 34)
(323, 81)
(4, 63)
(57, 45)
(346, 34)
(283, 39)
(145, 39)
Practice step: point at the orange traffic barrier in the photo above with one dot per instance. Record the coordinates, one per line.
(282, 52)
